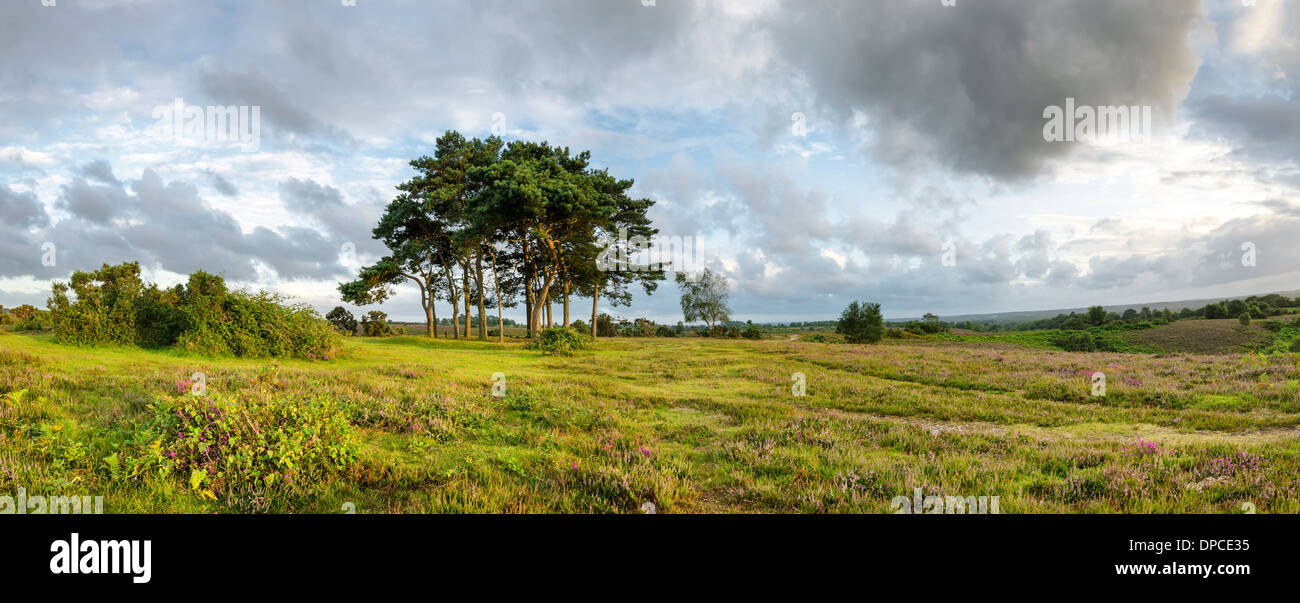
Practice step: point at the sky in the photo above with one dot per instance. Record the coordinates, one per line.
(817, 152)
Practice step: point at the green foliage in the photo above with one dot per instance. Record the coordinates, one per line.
(605, 326)
(375, 324)
(342, 321)
(113, 307)
(1244, 318)
(23, 312)
(104, 310)
(704, 297)
(558, 341)
(1078, 341)
(279, 445)
(752, 331)
(861, 323)
(581, 326)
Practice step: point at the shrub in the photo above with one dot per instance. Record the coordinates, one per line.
(113, 307)
(23, 312)
(605, 326)
(342, 321)
(665, 331)
(1244, 318)
(861, 323)
(375, 324)
(752, 331)
(104, 312)
(558, 341)
(642, 327)
(1295, 346)
(581, 327)
(1077, 341)
(256, 443)
(159, 320)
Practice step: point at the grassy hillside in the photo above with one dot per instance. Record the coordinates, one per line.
(1219, 336)
(407, 425)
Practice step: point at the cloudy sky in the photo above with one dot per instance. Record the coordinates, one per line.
(822, 151)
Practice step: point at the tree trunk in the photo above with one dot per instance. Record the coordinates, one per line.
(496, 283)
(566, 303)
(455, 309)
(426, 298)
(482, 309)
(549, 306)
(595, 295)
(464, 289)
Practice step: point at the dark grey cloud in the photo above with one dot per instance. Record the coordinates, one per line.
(20, 214)
(966, 85)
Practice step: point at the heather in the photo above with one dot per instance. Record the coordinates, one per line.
(693, 425)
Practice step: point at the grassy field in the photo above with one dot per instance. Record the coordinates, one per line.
(409, 425)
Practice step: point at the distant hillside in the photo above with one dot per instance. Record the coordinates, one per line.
(1001, 317)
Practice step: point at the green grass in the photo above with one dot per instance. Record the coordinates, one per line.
(691, 424)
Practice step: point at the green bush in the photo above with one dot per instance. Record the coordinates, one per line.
(287, 446)
(375, 324)
(861, 323)
(752, 331)
(558, 341)
(104, 311)
(113, 307)
(1077, 341)
(1295, 346)
(1244, 318)
(342, 321)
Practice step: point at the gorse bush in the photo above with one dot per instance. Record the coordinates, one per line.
(104, 311)
(375, 324)
(113, 307)
(558, 341)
